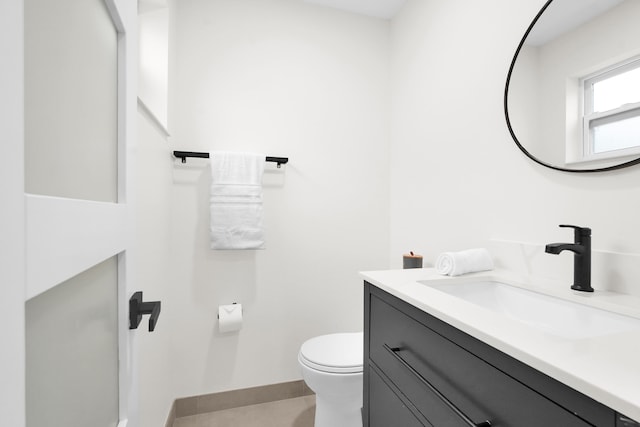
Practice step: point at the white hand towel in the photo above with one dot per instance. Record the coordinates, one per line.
(468, 261)
(236, 200)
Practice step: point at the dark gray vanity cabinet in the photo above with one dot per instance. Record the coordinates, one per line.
(420, 371)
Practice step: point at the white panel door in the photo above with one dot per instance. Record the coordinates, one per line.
(49, 240)
(11, 216)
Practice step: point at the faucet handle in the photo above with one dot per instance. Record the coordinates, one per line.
(580, 234)
(580, 231)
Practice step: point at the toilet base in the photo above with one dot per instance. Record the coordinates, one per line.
(333, 414)
(338, 397)
(335, 378)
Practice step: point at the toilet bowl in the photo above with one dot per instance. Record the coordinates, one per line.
(332, 367)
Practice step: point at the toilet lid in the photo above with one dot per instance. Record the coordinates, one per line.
(338, 353)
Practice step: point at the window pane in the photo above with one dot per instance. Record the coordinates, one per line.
(617, 91)
(616, 135)
(72, 351)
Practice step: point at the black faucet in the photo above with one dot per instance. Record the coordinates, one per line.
(581, 257)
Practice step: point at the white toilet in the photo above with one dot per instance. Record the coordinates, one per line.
(332, 368)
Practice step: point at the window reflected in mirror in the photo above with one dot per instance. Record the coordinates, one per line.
(576, 59)
(612, 111)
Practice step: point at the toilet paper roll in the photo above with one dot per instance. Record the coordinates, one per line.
(230, 317)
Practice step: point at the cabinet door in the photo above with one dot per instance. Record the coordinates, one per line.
(385, 407)
(412, 356)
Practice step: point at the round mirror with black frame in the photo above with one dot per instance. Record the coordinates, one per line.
(572, 96)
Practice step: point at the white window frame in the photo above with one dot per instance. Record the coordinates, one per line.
(589, 117)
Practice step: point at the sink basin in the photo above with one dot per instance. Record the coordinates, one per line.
(544, 312)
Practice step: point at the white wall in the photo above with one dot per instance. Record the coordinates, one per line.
(457, 179)
(154, 181)
(288, 79)
(524, 106)
(295, 80)
(153, 64)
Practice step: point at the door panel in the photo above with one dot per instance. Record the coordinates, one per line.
(80, 98)
(72, 351)
(67, 236)
(12, 247)
(71, 100)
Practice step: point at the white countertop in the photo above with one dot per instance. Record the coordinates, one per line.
(606, 368)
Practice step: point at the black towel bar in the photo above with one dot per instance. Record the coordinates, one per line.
(184, 154)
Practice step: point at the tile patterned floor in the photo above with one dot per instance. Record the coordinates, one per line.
(295, 412)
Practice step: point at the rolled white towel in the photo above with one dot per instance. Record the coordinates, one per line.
(468, 261)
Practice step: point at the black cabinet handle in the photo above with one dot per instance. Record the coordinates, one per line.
(394, 351)
(137, 308)
(623, 421)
